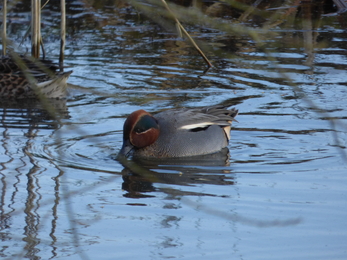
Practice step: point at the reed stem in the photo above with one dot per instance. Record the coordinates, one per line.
(4, 25)
(62, 33)
(35, 28)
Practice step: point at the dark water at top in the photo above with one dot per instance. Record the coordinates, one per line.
(279, 193)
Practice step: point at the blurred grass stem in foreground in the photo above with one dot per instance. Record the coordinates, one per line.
(181, 28)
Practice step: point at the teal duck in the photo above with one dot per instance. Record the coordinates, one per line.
(177, 132)
(24, 78)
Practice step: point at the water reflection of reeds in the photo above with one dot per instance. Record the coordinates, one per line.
(22, 189)
(31, 114)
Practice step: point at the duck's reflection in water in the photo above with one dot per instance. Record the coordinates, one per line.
(142, 176)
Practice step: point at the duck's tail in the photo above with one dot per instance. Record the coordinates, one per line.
(55, 87)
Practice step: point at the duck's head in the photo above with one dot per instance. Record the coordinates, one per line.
(140, 129)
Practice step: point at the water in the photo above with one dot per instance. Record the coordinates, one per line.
(280, 192)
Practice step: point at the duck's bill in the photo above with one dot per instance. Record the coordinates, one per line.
(127, 149)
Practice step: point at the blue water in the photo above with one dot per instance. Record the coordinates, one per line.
(280, 192)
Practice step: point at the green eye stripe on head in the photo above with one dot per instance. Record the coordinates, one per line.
(145, 123)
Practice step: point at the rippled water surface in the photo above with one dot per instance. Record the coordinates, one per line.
(278, 192)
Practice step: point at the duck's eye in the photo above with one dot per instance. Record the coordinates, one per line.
(139, 130)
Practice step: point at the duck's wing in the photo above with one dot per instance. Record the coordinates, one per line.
(18, 86)
(222, 112)
(194, 119)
